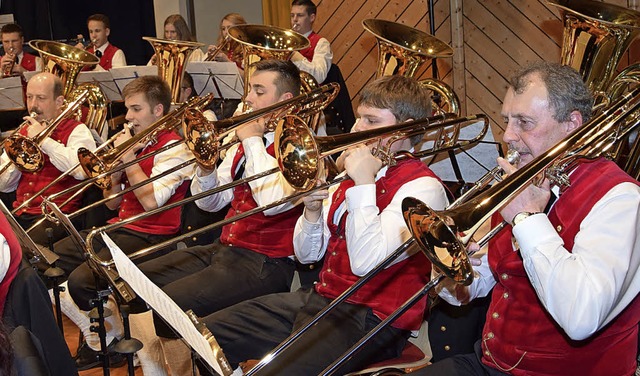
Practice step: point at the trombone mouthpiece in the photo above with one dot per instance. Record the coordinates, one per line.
(513, 157)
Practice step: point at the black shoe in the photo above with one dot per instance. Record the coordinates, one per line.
(87, 358)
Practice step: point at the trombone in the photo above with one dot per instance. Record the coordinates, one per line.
(284, 128)
(25, 152)
(443, 235)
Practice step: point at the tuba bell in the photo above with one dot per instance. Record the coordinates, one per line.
(596, 35)
(64, 61)
(403, 49)
(265, 42)
(172, 57)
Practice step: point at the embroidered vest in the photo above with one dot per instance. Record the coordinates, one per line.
(163, 223)
(28, 62)
(308, 52)
(270, 235)
(517, 321)
(393, 286)
(32, 182)
(15, 253)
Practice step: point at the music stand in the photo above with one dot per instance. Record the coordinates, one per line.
(220, 78)
(104, 79)
(11, 94)
(123, 75)
(195, 334)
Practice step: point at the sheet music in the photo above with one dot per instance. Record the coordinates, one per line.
(11, 94)
(123, 75)
(105, 80)
(168, 309)
(221, 78)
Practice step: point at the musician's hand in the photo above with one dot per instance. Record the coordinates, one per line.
(313, 204)
(6, 59)
(34, 127)
(254, 128)
(361, 165)
(533, 199)
(80, 38)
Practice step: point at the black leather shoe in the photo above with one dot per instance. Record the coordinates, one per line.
(87, 358)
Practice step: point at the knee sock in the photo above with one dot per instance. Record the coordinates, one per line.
(150, 356)
(177, 355)
(113, 324)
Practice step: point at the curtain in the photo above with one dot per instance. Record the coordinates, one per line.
(276, 13)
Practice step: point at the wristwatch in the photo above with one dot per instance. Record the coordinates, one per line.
(521, 217)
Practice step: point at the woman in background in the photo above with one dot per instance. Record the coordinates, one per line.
(176, 28)
(232, 50)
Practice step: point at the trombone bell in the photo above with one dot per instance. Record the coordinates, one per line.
(437, 240)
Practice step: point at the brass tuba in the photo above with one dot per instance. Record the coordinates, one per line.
(64, 61)
(172, 57)
(403, 49)
(265, 42)
(596, 35)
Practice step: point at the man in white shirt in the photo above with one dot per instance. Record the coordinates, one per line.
(15, 60)
(354, 226)
(316, 59)
(99, 30)
(565, 284)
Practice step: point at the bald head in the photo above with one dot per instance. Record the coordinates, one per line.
(44, 96)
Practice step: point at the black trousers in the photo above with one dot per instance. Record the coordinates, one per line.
(212, 277)
(460, 365)
(83, 282)
(249, 330)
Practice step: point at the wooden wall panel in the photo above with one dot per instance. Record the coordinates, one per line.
(491, 39)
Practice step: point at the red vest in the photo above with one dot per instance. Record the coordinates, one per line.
(15, 253)
(28, 62)
(32, 182)
(163, 223)
(107, 56)
(270, 235)
(393, 286)
(308, 52)
(524, 325)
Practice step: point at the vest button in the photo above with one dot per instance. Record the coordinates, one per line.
(443, 328)
(490, 335)
(487, 352)
(311, 267)
(447, 348)
(333, 253)
(504, 276)
(559, 228)
(505, 295)
(189, 228)
(31, 183)
(324, 284)
(341, 236)
(495, 315)
(384, 191)
(329, 270)
(231, 235)
(242, 202)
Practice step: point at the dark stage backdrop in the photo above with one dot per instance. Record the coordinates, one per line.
(64, 19)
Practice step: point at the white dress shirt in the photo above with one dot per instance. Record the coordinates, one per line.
(61, 156)
(265, 190)
(586, 288)
(371, 235)
(319, 66)
(165, 187)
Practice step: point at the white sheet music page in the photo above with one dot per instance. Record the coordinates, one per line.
(162, 304)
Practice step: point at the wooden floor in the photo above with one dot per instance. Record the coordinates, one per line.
(71, 336)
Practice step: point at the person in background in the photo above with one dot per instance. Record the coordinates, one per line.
(99, 30)
(176, 28)
(565, 273)
(232, 50)
(316, 59)
(12, 42)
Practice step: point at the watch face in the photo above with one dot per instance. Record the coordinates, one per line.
(520, 217)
